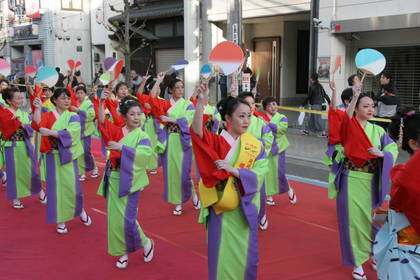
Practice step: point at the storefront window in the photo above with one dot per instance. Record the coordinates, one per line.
(164, 29)
(76, 5)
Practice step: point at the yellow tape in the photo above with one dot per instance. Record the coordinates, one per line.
(296, 109)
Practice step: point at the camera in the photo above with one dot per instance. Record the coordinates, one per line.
(316, 21)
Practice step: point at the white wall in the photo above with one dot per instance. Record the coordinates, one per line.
(353, 9)
(259, 8)
(343, 44)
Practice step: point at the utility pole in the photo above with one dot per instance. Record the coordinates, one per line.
(234, 25)
(127, 41)
(234, 21)
(313, 41)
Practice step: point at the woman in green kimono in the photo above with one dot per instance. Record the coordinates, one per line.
(87, 115)
(361, 180)
(174, 143)
(61, 147)
(151, 125)
(232, 166)
(3, 177)
(276, 181)
(125, 176)
(259, 128)
(17, 135)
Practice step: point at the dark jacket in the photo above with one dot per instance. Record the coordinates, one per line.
(316, 95)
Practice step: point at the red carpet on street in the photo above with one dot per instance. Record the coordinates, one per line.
(300, 243)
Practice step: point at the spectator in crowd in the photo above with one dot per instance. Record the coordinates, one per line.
(387, 104)
(223, 85)
(97, 75)
(60, 81)
(386, 79)
(135, 81)
(316, 97)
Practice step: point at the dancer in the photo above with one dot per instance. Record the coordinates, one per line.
(151, 125)
(121, 91)
(397, 244)
(61, 147)
(174, 143)
(3, 85)
(123, 179)
(87, 115)
(17, 136)
(232, 167)
(259, 129)
(211, 117)
(361, 180)
(276, 181)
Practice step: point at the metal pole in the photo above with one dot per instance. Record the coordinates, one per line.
(313, 41)
(234, 24)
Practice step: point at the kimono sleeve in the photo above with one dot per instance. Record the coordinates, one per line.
(112, 106)
(267, 138)
(8, 126)
(252, 179)
(207, 150)
(159, 107)
(133, 164)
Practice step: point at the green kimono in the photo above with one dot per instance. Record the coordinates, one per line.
(276, 181)
(358, 193)
(65, 197)
(174, 146)
(87, 115)
(121, 187)
(20, 161)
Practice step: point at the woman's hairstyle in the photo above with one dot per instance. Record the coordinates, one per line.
(246, 94)
(9, 93)
(268, 100)
(362, 95)
(119, 85)
(347, 94)
(57, 94)
(4, 81)
(228, 105)
(314, 77)
(82, 89)
(387, 75)
(405, 126)
(77, 73)
(126, 104)
(350, 80)
(173, 82)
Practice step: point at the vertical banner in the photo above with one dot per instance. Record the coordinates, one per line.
(37, 58)
(32, 8)
(324, 69)
(246, 82)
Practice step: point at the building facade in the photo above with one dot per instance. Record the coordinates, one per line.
(392, 27)
(58, 33)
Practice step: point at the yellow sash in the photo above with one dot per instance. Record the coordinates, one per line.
(249, 150)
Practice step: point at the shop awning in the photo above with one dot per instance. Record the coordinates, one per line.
(154, 12)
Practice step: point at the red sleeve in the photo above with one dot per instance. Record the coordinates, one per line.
(47, 121)
(194, 101)
(405, 193)
(159, 107)
(74, 101)
(259, 114)
(111, 132)
(112, 106)
(144, 99)
(8, 126)
(210, 148)
(355, 141)
(335, 117)
(95, 102)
